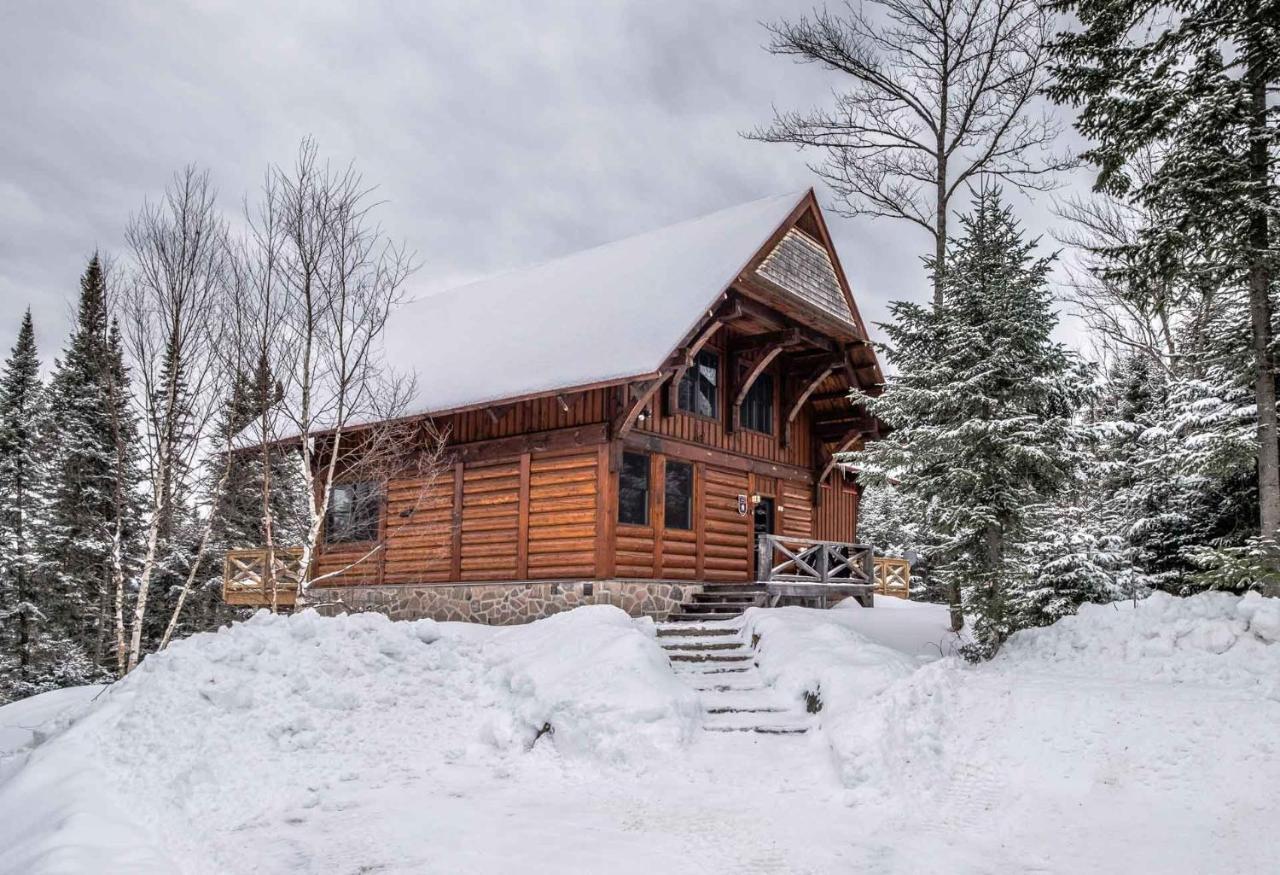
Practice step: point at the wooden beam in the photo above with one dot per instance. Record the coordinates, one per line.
(846, 444)
(522, 525)
(686, 356)
(691, 452)
(757, 369)
(455, 558)
(534, 442)
(640, 394)
(806, 391)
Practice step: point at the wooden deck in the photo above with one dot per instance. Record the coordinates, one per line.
(245, 582)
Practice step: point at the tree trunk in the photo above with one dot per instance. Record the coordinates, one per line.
(1260, 315)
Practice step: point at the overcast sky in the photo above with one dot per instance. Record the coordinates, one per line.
(499, 133)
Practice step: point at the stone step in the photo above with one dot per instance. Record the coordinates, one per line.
(700, 645)
(725, 598)
(711, 655)
(763, 730)
(735, 587)
(764, 709)
(744, 684)
(713, 607)
(702, 616)
(785, 723)
(688, 630)
(702, 669)
(746, 697)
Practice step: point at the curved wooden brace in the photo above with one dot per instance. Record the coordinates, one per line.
(809, 388)
(644, 394)
(754, 374)
(846, 443)
(687, 355)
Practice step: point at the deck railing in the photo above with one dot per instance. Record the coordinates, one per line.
(804, 560)
(245, 581)
(893, 577)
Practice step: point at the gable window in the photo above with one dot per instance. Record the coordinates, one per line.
(633, 490)
(699, 390)
(355, 509)
(757, 407)
(678, 509)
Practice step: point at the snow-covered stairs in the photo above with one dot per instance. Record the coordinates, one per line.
(714, 660)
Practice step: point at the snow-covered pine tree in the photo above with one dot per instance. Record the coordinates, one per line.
(33, 656)
(1192, 82)
(983, 410)
(93, 506)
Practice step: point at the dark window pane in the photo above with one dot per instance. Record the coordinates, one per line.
(633, 490)
(678, 513)
(757, 407)
(698, 391)
(354, 512)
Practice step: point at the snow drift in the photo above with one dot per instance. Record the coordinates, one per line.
(1132, 737)
(255, 725)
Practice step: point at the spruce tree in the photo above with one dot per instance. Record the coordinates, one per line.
(982, 410)
(93, 477)
(32, 655)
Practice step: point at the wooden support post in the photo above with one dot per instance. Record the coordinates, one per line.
(455, 570)
(522, 534)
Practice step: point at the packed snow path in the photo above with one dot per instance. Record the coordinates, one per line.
(715, 661)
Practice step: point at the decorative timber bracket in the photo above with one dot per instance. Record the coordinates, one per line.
(808, 386)
(756, 354)
(635, 398)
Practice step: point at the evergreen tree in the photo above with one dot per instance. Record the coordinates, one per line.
(31, 656)
(1190, 81)
(93, 477)
(982, 414)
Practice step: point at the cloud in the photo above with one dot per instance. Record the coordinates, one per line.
(498, 134)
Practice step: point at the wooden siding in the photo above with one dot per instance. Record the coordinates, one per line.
(727, 535)
(419, 530)
(490, 522)
(796, 502)
(836, 516)
(562, 496)
(743, 442)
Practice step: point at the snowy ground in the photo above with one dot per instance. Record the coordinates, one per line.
(1127, 739)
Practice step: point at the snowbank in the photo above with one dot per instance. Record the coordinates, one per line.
(1127, 738)
(1213, 638)
(254, 727)
(602, 684)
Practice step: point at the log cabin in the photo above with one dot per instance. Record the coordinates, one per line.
(636, 424)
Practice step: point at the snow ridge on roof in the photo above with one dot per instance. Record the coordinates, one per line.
(602, 314)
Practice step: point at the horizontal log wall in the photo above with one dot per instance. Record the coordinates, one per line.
(562, 516)
(796, 503)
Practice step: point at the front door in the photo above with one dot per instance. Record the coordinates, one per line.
(763, 526)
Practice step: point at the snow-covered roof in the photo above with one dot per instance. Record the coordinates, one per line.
(600, 315)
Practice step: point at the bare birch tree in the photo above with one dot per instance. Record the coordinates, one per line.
(943, 96)
(172, 334)
(338, 278)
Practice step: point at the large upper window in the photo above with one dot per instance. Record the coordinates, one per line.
(678, 510)
(354, 513)
(633, 490)
(757, 407)
(699, 390)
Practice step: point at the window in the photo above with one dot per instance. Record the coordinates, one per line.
(633, 490)
(678, 512)
(699, 390)
(757, 407)
(354, 513)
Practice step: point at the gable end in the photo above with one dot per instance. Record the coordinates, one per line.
(800, 265)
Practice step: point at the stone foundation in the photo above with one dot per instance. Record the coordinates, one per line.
(500, 604)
